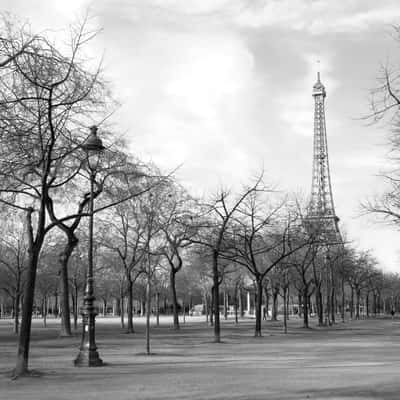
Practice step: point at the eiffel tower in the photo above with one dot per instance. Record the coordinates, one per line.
(321, 218)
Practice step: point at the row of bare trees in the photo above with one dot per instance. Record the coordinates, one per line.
(149, 230)
(48, 98)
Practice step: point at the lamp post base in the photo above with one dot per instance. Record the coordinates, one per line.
(88, 355)
(88, 359)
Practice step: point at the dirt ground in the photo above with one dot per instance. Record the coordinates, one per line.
(353, 360)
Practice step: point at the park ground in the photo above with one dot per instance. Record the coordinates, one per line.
(352, 360)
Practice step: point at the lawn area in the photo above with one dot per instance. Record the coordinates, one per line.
(354, 360)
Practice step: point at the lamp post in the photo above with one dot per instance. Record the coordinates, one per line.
(88, 355)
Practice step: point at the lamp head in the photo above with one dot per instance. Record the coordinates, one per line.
(93, 146)
(93, 143)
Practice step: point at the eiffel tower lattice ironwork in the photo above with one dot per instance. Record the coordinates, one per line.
(321, 216)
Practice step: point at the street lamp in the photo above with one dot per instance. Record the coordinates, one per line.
(88, 355)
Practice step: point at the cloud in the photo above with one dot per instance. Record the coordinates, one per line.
(208, 71)
(318, 16)
(47, 15)
(361, 161)
(185, 94)
(194, 7)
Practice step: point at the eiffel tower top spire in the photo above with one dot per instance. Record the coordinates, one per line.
(319, 88)
(321, 210)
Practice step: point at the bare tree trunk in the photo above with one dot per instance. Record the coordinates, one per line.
(21, 367)
(148, 304)
(352, 303)
(175, 310)
(320, 306)
(305, 306)
(206, 309)
(300, 301)
(285, 290)
(122, 305)
(158, 308)
(225, 305)
(55, 308)
(129, 281)
(241, 310)
(333, 304)
(212, 307)
(328, 299)
(318, 294)
(236, 304)
(217, 327)
(64, 257)
(358, 294)
(275, 293)
(148, 310)
(259, 296)
(266, 294)
(16, 310)
(44, 308)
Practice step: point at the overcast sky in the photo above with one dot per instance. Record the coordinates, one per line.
(223, 87)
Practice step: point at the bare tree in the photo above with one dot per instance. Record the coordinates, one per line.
(385, 106)
(15, 39)
(125, 235)
(13, 254)
(47, 101)
(363, 270)
(263, 239)
(213, 234)
(301, 262)
(41, 90)
(176, 223)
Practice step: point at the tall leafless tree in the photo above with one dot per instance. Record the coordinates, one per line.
(177, 212)
(214, 232)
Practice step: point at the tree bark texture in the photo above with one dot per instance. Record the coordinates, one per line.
(175, 311)
(129, 328)
(275, 293)
(258, 306)
(21, 367)
(65, 255)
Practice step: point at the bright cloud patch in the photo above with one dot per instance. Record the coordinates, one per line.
(318, 17)
(208, 71)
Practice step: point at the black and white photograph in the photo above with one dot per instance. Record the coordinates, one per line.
(199, 199)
